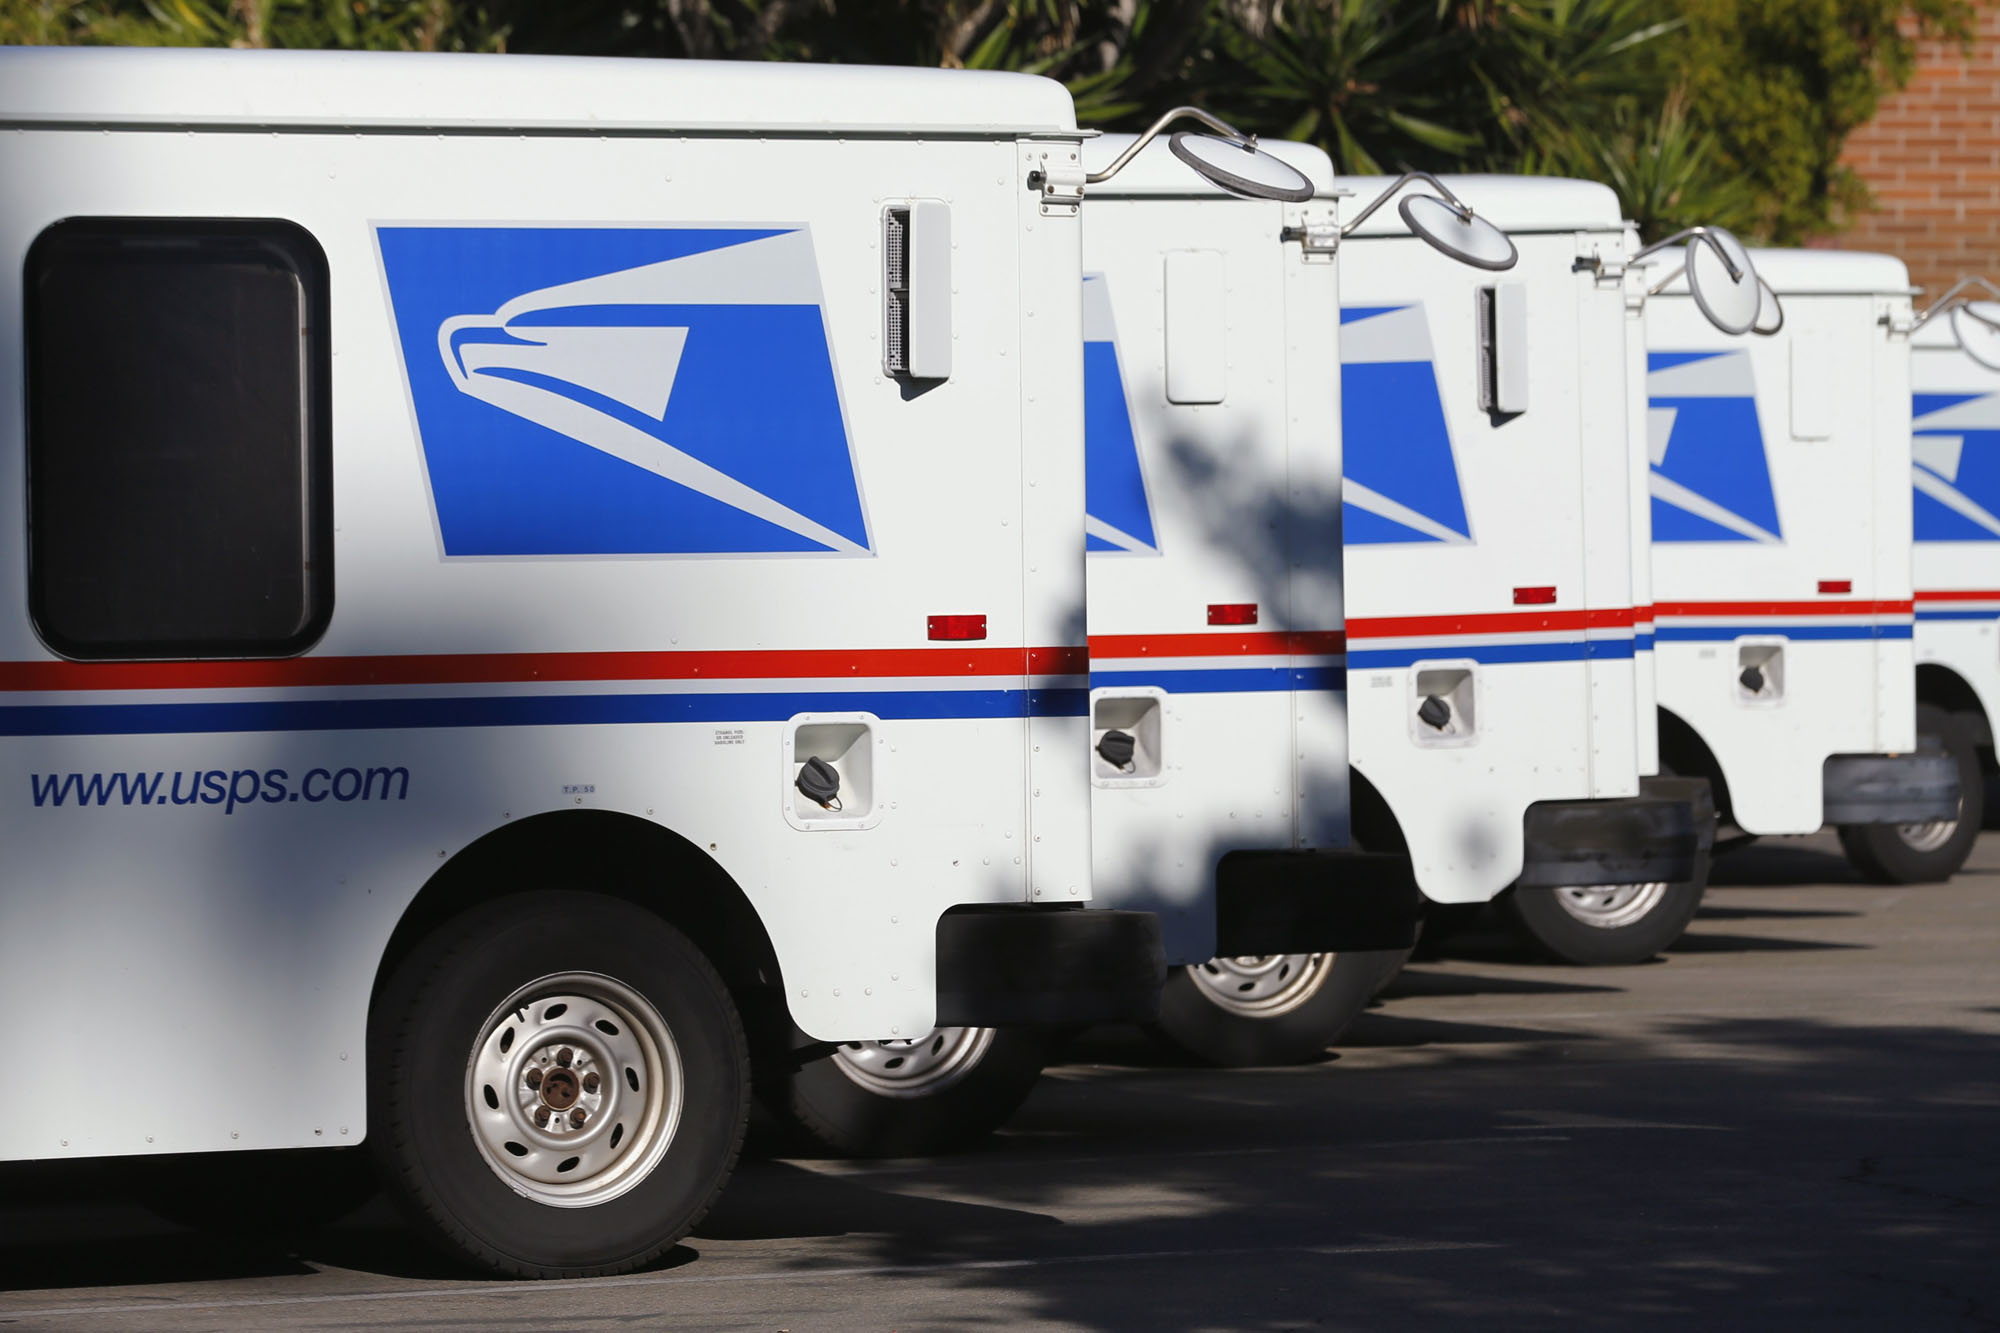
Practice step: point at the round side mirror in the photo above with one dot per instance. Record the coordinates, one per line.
(1240, 169)
(1730, 299)
(1470, 239)
(1976, 325)
(1770, 314)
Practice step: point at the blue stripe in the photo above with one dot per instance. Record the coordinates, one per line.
(1643, 643)
(1575, 650)
(1723, 633)
(1958, 615)
(544, 710)
(1228, 680)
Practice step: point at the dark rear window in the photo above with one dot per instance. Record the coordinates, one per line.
(179, 464)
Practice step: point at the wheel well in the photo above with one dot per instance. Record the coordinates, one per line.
(1684, 752)
(1945, 688)
(1374, 824)
(605, 851)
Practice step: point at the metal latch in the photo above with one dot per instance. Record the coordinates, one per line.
(1057, 175)
(1320, 236)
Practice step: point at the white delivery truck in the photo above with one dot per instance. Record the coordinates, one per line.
(1217, 753)
(1955, 477)
(1781, 561)
(1217, 655)
(544, 581)
(1499, 725)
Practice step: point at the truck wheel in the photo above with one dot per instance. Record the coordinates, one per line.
(1278, 1009)
(912, 1097)
(558, 1085)
(1932, 852)
(1606, 925)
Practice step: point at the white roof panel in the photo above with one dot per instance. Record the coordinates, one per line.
(1831, 272)
(1815, 273)
(1156, 171)
(1511, 203)
(359, 90)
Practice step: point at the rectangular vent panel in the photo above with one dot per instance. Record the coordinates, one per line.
(916, 290)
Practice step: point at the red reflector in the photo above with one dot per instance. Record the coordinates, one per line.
(1836, 585)
(1232, 613)
(1534, 596)
(958, 627)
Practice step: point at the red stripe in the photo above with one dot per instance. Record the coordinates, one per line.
(1959, 595)
(498, 668)
(1492, 622)
(1273, 643)
(1664, 609)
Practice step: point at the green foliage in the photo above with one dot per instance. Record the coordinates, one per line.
(1729, 111)
(1781, 83)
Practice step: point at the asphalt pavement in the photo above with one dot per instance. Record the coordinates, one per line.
(1794, 1118)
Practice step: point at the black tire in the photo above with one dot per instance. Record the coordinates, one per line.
(429, 1027)
(851, 1103)
(269, 1200)
(1925, 853)
(1277, 1028)
(1547, 924)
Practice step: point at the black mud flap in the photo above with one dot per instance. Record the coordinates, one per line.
(1314, 902)
(1890, 788)
(1619, 840)
(1004, 966)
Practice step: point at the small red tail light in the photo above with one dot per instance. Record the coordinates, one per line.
(1836, 585)
(958, 627)
(1534, 596)
(1232, 613)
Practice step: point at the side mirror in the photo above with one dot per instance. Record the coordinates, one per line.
(1722, 280)
(1975, 323)
(1230, 160)
(1445, 223)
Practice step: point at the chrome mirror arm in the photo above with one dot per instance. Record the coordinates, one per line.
(1463, 210)
(1221, 127)
(1703, 234)
(1952, 299)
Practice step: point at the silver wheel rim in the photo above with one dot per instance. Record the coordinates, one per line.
(1262, 986)
(915, 1066)
(1928, 836)
(573, 1090)
(1609, 906)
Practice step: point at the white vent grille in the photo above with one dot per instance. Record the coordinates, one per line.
(896, 290)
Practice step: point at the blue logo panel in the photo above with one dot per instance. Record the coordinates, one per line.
(1118, 515)
(1710, 478)
(1401, 482)
(624, 391)
(1955, 467)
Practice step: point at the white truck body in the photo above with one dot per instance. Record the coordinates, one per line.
(1955, 472)
(1490, 528)
(1215, 562)
(1781, 532)
(628, 520)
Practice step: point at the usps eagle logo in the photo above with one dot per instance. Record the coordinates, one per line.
(1118, 511)
(1709, 478)
(624, 391)
(1955, 466)
(1401, 482)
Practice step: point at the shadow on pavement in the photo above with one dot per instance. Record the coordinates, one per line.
(1419, 980)
(1771, 862)
(1718, 1170)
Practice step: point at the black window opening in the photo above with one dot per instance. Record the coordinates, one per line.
(180, 472)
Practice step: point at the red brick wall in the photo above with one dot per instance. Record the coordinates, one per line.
(1932, 157)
